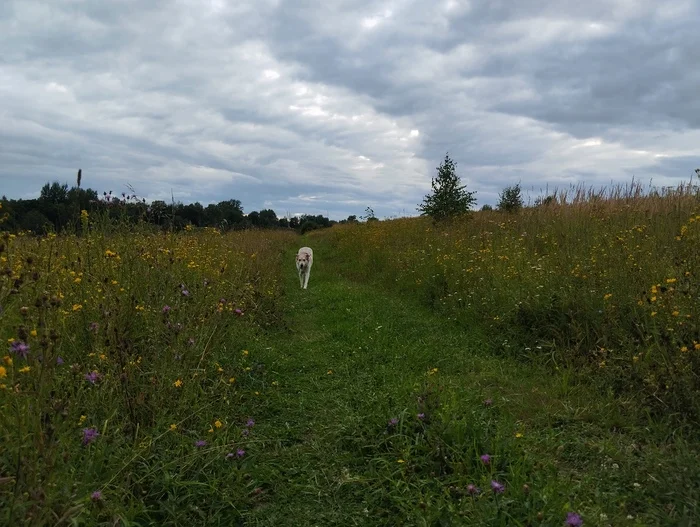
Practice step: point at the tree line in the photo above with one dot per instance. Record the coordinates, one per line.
(58, 207)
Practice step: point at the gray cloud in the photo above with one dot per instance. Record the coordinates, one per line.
(330, 107)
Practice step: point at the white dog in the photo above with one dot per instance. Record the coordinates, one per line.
(305, 258)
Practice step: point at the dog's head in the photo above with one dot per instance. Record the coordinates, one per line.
(302, 260)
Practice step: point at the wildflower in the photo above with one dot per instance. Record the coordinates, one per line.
(684, 349)
(173, 427)
(607, 296)
(200, 443)
(250, 423)
(421, 416)
(472, 489)
(96, 496)
(240, 452)
(25, 369)
(89, 435)
(486, 459)
(93, 376)
(400, 461)
(218, 424)
(230, 455)
(518, 435)
(573, 520)
(8, 360)
(59, 361)
(497, 487)
(33, 333)
(82, 419)
(166, 309)
(238, 312)
(393, 421)
(3, 372)
(94, 326)
(185, 292)
(20, 348)
(245, 353)
(232, 380)
(191, 341)
(177, 383)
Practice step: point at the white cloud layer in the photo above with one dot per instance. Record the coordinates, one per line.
(329, 107)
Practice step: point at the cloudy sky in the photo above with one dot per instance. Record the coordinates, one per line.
(328, 107)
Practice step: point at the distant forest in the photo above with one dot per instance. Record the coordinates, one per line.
(58, 207)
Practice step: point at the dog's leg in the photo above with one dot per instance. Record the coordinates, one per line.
(301, 278)
(306, 277)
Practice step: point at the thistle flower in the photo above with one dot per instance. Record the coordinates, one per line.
(20, 348)
(497, 487)
(89, 435)
(573, 520)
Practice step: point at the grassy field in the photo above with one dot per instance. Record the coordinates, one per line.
(476, 374)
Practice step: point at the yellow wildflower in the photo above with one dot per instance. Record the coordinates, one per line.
(173, 427)
(178, 383)
(25, 369)
(33, 333)
(218, 424)
(3, 372)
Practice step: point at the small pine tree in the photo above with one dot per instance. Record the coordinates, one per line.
(448, 198)
(511, 199)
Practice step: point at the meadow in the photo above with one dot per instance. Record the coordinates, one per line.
(538, 368)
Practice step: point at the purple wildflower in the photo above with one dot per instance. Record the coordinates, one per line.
(497, 487)
(486, 459)
(222, 300)
(393, 421)
(166, 309)
(573, 520)
(250, 423)
(93, 376)
(89, 435)
(94, 326)
(245, 432)
(421, 416)
(20, 348)
(200, 443)
(230, 455)
(96, 496)
(238, 312)
(471, 489)
(240, 452)
(59, 361)
(185, 292)
(488, 402)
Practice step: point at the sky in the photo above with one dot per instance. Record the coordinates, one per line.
(330, 107)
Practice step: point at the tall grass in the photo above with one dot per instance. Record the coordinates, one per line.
(603, 280)
(110, 337)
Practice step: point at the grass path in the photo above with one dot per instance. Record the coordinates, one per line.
(352, 358)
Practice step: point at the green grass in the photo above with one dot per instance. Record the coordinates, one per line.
(338, 461)
(326, 369)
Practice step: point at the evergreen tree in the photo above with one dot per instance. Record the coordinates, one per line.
(449, 198)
